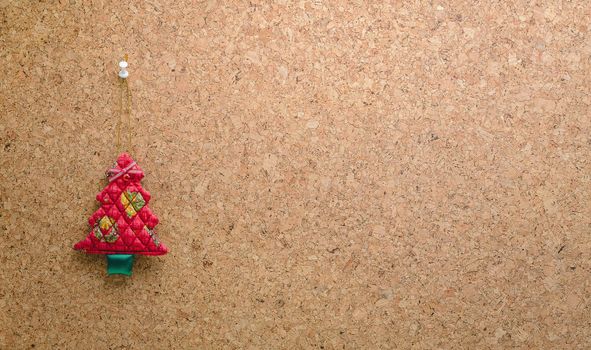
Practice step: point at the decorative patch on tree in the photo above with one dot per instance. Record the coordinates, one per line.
(106, 230)
(132, 202)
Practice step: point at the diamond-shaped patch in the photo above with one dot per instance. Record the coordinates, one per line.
(106, 222)
(132, 202)
(101, 230)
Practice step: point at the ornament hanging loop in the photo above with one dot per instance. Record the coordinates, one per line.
(124, 104)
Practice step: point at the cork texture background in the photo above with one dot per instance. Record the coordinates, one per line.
(328, 175)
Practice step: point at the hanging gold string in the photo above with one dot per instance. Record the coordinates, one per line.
(124, 112)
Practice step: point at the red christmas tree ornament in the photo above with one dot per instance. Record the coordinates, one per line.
(124, 224)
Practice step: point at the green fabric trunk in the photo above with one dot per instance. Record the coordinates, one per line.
(119, 264)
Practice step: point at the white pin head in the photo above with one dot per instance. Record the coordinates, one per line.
(123, 73)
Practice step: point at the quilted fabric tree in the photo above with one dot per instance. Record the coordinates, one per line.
(124, 224)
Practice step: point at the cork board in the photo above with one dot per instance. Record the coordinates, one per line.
(329, 175)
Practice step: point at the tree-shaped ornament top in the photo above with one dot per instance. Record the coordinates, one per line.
(124, 224)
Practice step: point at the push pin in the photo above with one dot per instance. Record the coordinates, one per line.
(123, 73)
